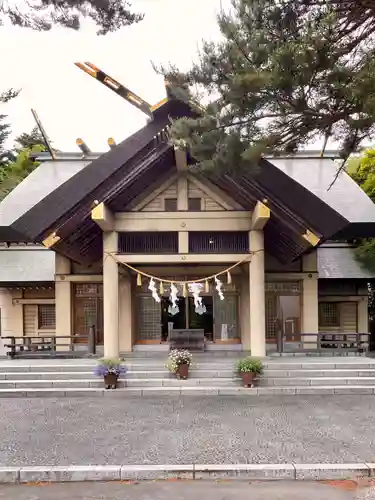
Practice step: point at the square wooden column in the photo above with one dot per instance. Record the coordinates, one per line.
(257, 295)
(110, 295)
(310, 300)
(63, 300)
(125, 314)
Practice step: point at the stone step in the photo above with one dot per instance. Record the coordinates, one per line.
(315, 381)
(366, 364)
(273, 368)
(148, 374)
(319, 373)
(99, 383)
(89, 367)
(186, 391)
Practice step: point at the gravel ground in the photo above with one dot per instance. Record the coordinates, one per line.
(187, 430)
(182, 491)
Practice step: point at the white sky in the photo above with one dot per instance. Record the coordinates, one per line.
(72, 104)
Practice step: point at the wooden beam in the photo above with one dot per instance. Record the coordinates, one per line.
(182, 192)
(260, 216)
(186, 269)
(33, 301)
(102, 216)
(179, 221)
(111, 142)
(189, 258)
(83, 146)
(311, 237)
(181, 159)
(91, 278)
(51, 240)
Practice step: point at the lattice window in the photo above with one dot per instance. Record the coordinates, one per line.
(225, 317)
(271, 316)
(46, 316)
(329, 314)
(219, 242)
(148, 319)
(283, 286)
(148, 242)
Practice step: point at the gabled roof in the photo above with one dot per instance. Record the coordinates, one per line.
(338, 261)
(48, 177)
(61, 200)
(57, 194)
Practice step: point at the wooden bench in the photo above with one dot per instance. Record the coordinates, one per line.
(191, 339)
(52, 346)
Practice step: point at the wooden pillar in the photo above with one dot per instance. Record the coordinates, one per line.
(257, 295)
(63, 301)
(110, 295)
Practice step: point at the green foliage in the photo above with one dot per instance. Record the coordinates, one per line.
(42, 15)
(17, 170)
(283, 74)
(5, 155)
(364, 175)
(365, 253)
(110, 362)
(249, 364)
(352, 164)
(21, 164)
(110, 366)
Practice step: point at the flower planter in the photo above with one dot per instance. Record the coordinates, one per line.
(110, 381)
(248, 379)
(183, 371)
(178, 363)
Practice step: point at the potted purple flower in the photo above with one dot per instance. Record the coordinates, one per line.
(110, 369)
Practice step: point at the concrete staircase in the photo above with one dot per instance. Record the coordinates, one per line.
(210, 376)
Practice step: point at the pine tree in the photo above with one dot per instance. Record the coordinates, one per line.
(28, 140)
(109, 15)
(284, 73)
(5, 154)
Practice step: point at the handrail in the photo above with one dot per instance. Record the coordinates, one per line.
(324, 342)
(17, 345)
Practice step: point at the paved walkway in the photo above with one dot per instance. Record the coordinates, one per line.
(185, 491)
(173, 430)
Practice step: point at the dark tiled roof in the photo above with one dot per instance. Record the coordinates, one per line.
(46, 178)
(296, 189)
